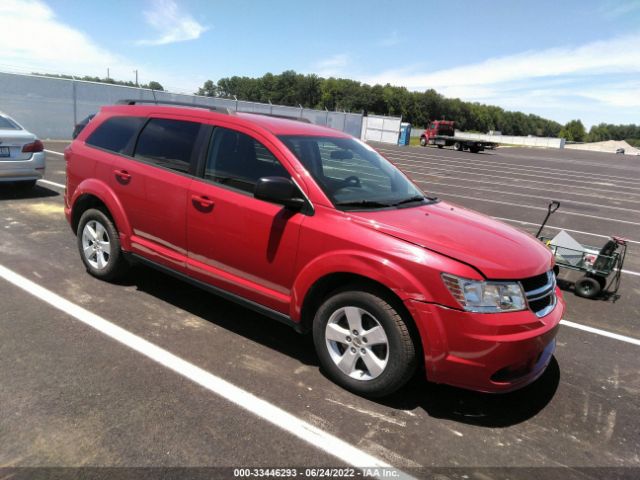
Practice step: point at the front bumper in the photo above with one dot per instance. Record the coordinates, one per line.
(23, 170)
(496, 352)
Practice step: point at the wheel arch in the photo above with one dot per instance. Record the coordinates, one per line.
(95, 194)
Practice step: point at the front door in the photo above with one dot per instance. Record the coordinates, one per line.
(236, 242)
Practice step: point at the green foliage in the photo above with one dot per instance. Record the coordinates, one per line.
(606, 131)
(573, 131)
(153, 85)
(311, 91)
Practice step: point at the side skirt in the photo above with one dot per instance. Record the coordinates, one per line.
(256, 307)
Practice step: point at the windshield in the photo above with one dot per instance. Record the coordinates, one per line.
(352, 174)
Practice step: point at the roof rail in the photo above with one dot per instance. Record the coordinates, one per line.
(285, 117)
(224, 110)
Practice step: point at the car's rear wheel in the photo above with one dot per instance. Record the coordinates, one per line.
(363, 343)
(99, 245)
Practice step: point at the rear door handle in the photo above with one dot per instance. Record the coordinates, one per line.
(122, 175)
(202, 201)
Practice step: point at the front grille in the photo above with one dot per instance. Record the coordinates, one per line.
(540, 292)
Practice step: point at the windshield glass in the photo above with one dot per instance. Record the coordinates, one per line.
(352, 174)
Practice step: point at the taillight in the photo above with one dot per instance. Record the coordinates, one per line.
(33, 147)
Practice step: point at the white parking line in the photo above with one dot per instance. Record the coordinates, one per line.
(604, 333)
(331, 444)
(518, 167)
(561, 228)
(54, 152)
(53, 184)
(511, 204)
(629, 272)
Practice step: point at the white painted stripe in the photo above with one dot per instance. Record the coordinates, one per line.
(515, 194)
(54, 152)
(53, 184)
(309, 433)
(511, 204)
(604, 333)
(561, 228)
(494, 173)
(519, 167)
(629, 272)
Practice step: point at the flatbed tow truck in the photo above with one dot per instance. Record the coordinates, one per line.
(442, 134)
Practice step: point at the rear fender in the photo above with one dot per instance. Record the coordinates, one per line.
(105, 194)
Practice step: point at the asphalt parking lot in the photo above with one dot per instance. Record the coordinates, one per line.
(72, 396)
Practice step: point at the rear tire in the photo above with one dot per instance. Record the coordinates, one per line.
(458, 146)
(99, 246)
(474, 149)
(587, 287)
(440, 146)
(363, 343)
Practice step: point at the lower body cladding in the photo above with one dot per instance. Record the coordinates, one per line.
(28, 170)
(497, 352)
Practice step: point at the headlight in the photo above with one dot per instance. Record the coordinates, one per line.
(485, 297)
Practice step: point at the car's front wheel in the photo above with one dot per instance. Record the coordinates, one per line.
(99, 245)
(363, 343)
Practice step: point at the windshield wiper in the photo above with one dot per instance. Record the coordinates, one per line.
(415, 198)
(362, 204)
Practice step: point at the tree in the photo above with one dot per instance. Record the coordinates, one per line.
(209, 89)
(574, 131)
(153, 85)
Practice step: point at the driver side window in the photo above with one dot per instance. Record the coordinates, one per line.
(238, 160)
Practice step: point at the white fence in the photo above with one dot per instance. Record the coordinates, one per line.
(381, 129)
(50, 107)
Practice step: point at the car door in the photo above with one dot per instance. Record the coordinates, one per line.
(235, 241)
(163, 163)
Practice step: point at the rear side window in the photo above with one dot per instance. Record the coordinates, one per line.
(8, 124)
(168, 143)
(238, 160)
(116, 134)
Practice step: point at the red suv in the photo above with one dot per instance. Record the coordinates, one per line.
(314, 228)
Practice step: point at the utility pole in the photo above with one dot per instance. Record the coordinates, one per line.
(108, 73)
(136, 71)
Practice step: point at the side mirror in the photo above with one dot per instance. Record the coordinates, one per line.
(279, 190)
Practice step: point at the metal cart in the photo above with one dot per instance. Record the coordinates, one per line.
(602, 266)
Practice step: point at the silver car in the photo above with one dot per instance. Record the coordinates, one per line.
(21, 154)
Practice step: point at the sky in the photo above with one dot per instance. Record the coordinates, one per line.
(560, 59)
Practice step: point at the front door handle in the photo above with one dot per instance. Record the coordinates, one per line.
(122, 176)
(202, 202)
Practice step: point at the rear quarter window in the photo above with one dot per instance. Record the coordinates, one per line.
(116, 134)
(8, 124)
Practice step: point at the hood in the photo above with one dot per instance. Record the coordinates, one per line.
(498, 250)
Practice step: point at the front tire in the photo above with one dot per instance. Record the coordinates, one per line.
(423, 141)
(363, 343)
(99, 246)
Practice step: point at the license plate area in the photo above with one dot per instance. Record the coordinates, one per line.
(4, 152)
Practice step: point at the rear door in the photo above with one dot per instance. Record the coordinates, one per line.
(163, 164)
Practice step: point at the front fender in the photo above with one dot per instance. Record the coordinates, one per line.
(106, 195)
(402, 282)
